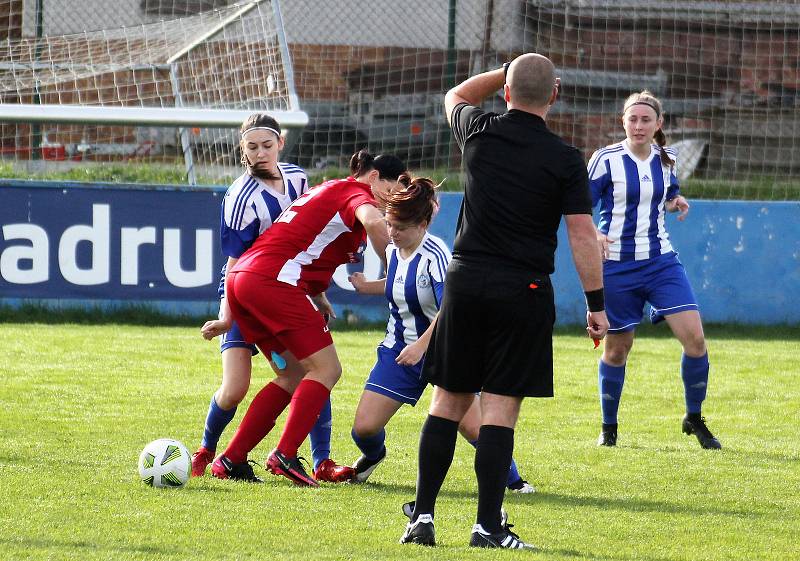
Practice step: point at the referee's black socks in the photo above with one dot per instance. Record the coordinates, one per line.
(437, 443)
(492, 460)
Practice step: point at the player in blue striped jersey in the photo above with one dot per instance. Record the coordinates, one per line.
(635, 185)
(414, 284)
(250, 206)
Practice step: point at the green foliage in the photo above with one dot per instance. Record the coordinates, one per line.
(763, 188)
(80, 401)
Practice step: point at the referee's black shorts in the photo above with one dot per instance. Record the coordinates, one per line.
(494, 333)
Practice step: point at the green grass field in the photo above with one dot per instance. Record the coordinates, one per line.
(80, 401)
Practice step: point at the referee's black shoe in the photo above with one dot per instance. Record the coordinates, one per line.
(364, 467)
(694, 424)
(608, 436)
(420, 532)
(504, 539)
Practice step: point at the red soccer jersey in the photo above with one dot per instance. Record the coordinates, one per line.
(312, 237)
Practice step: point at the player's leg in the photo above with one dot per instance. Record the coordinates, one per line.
(688, 329)
(388, 386)
(259, 419)
(626, 293)
(322, 370)
(236, 372)
(325, 468)
(437, 443)
(469, 427)
(372, 415)
(673, 299)
(610, 381)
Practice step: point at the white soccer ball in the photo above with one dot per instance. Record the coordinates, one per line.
(165, 463)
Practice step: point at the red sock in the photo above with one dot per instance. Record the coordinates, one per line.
(258, 421)
(307, 402)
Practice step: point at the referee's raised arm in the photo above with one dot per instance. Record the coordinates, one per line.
(474, 90)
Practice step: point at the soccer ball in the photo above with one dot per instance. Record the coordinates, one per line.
(165, 463)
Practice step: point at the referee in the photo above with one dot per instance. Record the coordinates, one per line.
(495, 327)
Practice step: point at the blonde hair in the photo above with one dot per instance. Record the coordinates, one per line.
(647, 98)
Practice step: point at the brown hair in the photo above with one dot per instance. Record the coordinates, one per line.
(414, 201)
(257, 121)
(647, 98)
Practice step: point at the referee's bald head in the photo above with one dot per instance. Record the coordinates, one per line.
(531, 78)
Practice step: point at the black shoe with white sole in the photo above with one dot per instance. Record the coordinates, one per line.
(364, 466)
(420, 532)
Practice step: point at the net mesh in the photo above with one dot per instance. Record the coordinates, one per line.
(728, 73)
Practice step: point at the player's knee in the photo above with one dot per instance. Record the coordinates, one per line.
(694, 345)
(229, 396)
(616, 355)
(365, 428)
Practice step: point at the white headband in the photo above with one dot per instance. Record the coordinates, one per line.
(261, 129)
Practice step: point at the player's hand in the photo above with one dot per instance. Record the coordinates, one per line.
(358, 280)
(603, 242)
(324, 306)
(596, 325)
(214, 327)
(411, 354)
(679, 204)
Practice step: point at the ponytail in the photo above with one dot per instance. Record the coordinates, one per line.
(414, 201)
(661, 140)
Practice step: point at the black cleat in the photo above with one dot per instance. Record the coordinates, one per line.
(223, 468)
(364, 466)
(608, 436)
(696, 425)
(420, 532)
(504, 539)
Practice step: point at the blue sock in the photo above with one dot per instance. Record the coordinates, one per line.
(216, 421)
(320, 435)
(513, 472)
(610, 379)
(370, 446)
(694, 371)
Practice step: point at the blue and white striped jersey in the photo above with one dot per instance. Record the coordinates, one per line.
(414, 289)
(250, 207)
(632, 194)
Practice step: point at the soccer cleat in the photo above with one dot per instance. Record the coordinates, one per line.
(504, 539)
(200, 461)
(290, 468)
(608, 436)
(223, 468)
(364, 467)
(696, 425)
(522, 487)
(330, 471)
(420, 532)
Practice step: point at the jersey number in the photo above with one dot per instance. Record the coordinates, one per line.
(289, 214)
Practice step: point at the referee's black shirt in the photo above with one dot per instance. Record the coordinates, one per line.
(520, 179)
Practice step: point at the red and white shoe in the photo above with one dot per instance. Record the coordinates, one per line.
(330, 471)
(200, 461)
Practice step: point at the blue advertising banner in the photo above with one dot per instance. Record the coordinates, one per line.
(109, 243)
(160, 247)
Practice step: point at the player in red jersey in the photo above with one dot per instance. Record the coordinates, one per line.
(275, 292)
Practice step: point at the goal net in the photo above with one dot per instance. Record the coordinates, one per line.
(231, 58)
(374, 75)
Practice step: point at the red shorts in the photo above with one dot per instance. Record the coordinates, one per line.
(276, 316)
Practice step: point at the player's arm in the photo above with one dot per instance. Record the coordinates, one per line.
(375, 226)
(413, 353)
(474, 90)
(364, 286)
(222, 324)
(583, 242)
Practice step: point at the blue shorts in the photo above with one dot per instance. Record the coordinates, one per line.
(234, 338)
(660, 282)
(396, 381)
